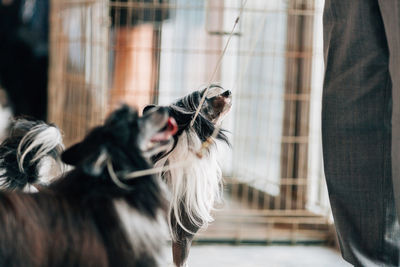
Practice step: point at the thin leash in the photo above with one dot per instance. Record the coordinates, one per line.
(219, 62)
(209, 140)
(141, 173)
(214, 135)
(205, 144)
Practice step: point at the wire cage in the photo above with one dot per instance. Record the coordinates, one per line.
(105, 52)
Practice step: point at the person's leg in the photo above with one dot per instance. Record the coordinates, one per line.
(356, 132)
(390, 10)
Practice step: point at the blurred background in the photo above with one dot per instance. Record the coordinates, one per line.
(71, 62)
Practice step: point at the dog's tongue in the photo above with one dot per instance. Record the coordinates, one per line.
(172, 126)
(171, 129)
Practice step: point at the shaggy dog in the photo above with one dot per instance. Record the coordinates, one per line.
(197, 186)
(93, 216)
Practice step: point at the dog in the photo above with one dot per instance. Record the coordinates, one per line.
(196, 187)
(93, 216)
(30, 155)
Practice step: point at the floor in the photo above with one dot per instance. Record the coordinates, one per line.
(264, 256)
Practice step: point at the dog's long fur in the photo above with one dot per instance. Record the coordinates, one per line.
(196, 187)
(84, 218)
(30, 155)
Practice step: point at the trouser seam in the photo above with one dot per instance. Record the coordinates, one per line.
(386, 117)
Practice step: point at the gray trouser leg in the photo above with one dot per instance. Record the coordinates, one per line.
(357, 132)
(390, 10)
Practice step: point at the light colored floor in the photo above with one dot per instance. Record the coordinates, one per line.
(264, 256)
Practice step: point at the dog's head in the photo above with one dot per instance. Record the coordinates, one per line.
(125, 139)
(217, 104)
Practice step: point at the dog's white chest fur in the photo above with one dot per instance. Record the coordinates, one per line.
(197, 185)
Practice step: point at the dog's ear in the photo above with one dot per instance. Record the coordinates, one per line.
(90, 154)
(148, 107)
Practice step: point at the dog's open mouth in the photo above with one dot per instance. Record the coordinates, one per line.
(162, 138)
(166, 132)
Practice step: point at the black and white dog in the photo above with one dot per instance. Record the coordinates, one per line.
(196, 187)
(30, 155)
(93, 216)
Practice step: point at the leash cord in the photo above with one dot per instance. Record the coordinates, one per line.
(205, 144)
(219, 62)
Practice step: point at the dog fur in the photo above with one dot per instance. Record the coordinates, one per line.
(30, 155)
(85, 218)
(196, 187)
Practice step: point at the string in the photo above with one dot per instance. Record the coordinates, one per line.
(209, 141)
(137, 174)
(219, 62)
(114, 176)
(214, 135)
(141, 173)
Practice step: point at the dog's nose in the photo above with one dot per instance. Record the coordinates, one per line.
(227, 93)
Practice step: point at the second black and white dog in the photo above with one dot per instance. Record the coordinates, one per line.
(196, 187)
(93, 216)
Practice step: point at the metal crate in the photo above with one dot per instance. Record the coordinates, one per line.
(104, 52)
